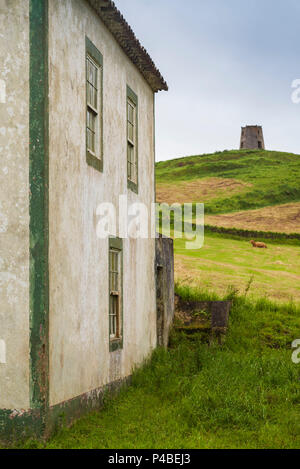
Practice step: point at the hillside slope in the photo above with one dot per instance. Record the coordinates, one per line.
(224, 264)
(231, 181)
(279, 219)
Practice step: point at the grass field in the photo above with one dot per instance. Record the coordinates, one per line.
(226, 263)
(231, 180)
(243, 189)
(243, 395)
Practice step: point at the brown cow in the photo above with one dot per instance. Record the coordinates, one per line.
(256, 244)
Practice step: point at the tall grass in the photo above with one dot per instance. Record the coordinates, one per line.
(245, 394)
(256, 324)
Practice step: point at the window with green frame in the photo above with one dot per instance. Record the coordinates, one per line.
(132, 140)
(94, 106)
(115, 293)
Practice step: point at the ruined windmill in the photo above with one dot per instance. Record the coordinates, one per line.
(252, 137)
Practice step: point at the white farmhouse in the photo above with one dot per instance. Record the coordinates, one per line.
(77, 313)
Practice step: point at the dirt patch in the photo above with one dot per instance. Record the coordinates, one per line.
(280, 218)
(199, 190)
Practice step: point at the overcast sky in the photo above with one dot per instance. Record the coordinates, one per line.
(228, 63)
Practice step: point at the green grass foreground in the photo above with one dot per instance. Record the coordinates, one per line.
(245, 394)
(273, 177)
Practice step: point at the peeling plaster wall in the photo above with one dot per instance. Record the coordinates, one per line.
(80, 360)
(14, 204)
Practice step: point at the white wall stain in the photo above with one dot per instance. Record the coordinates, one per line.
(3, 223)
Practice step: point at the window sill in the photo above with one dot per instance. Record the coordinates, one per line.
(115, 344)
(94, 162)
(132, 186)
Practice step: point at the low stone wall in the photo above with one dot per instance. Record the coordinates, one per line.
(203, 316)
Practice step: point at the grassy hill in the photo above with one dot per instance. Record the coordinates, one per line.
(248, 190)
(231, 181)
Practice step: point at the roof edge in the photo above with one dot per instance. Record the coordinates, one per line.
(124, 35)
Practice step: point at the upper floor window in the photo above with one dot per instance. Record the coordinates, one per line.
(132, 140)
(94, 104)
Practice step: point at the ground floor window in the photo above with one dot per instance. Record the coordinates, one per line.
(115, 292)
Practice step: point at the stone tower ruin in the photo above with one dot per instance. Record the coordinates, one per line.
(252, 138)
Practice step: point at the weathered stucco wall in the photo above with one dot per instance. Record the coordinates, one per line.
(14, 204)
(80, 360)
